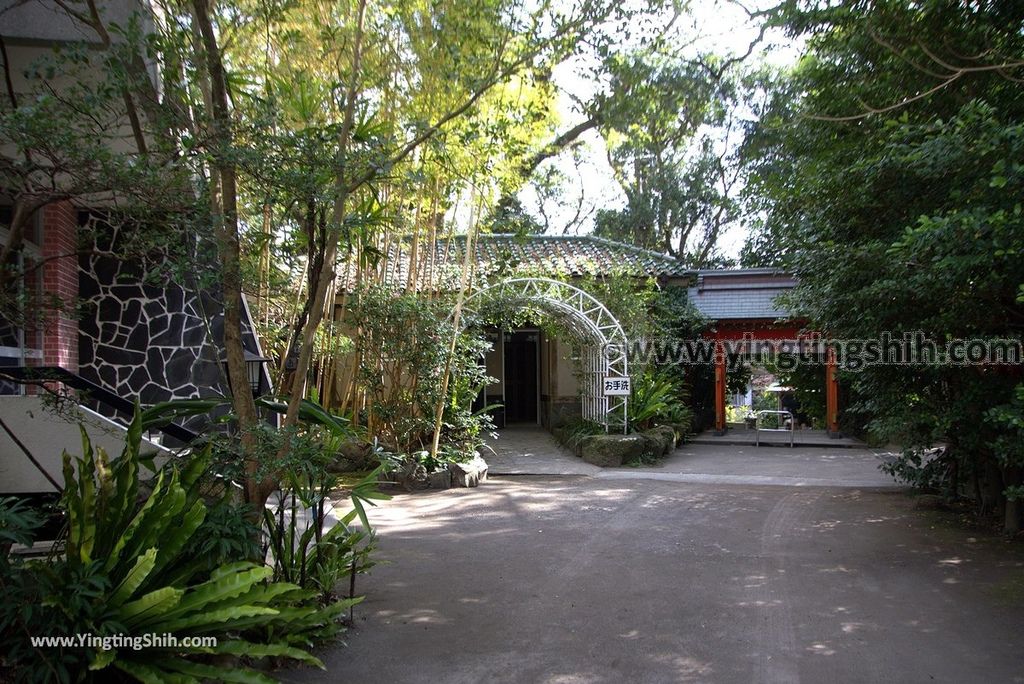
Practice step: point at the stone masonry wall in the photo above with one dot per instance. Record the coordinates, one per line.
(146, 340)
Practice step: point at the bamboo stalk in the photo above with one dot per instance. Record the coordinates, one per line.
(457, 323)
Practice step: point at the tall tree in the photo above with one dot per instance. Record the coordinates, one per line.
(387, 91)
(670, 128)
(888, 176)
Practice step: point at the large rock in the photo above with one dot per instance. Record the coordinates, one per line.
(930, 502)
(665, 437)
(654, 446)
(441, 479)
(410, 476)
(340, 464)
(610, 451)
(470, 473)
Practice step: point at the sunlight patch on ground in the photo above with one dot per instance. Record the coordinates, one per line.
(754, 581)
(571, 678)
(759, 604)
(421, 616)
(687, 668)
(827, 524)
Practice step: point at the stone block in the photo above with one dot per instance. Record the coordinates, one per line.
(666, 437)
(611, 451)
(342, 465)
(930, 502)
(353, 455)
(442, 479)
(656, 444)
(409, 476)
(470, 473)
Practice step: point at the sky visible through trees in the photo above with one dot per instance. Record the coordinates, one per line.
(587, 181)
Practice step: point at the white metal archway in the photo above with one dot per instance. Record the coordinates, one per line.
(604, 359)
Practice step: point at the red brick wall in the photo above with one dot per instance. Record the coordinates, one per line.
(60, 282)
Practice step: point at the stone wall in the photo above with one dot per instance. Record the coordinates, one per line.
(152, 340)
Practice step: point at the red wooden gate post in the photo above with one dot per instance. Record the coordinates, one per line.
(720, 388)
(831, 393)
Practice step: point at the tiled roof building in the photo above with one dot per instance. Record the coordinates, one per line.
(740, 294)
(720, 294)
(504, 254)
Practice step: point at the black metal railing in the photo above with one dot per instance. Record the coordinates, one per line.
(92, 392)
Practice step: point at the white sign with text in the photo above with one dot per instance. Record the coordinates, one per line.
(616, 387)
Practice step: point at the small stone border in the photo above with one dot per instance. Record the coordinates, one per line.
(611, 451)
(468, 474)
(355, 455)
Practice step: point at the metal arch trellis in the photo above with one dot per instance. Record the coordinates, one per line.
(602, 361)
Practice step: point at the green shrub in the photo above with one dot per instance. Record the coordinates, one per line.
(658, 397)
(572, 432)
(403, 351)
(300, 549)
(18, 524)
(922, 469)
(1008, 420)
(737, 414)
(128, 568)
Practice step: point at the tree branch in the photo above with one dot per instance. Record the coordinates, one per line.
(872, 110)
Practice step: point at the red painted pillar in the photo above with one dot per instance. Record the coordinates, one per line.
(720, 382)
(831, 393)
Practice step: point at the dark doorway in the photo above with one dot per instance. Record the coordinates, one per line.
(521, 400)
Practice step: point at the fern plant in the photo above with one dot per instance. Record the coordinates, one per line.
(656, 396)
(131, 577)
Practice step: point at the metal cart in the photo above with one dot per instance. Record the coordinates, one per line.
(782, 416)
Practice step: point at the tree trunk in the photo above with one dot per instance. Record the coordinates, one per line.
(464, 285)
(224, 209)
(567, 139)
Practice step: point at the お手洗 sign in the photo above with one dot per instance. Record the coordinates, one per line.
(616, 387)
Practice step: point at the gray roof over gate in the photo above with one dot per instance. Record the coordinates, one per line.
(741, 293)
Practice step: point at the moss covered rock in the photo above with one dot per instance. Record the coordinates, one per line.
(611, 451)
(661, 439)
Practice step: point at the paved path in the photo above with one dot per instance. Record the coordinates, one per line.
(586, 580)
(532, 451)
(803, 466)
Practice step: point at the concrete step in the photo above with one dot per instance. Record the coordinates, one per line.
(821, 442)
